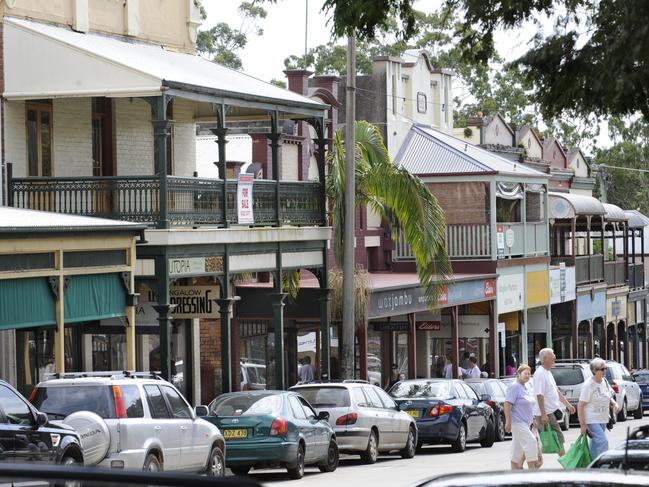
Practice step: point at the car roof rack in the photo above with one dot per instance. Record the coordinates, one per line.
(120, 374)
(355, 381)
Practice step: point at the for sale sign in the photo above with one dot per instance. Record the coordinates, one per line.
(244, 199)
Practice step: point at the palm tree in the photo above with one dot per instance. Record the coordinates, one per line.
(401, 199)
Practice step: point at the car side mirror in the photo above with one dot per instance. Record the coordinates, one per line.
(201, 411)
(41, 419)
(323, 416)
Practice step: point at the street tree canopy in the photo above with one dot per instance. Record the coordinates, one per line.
(594, 62)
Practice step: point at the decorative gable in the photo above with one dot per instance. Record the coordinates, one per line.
(530, 143)
(497, 131)
(554, 154)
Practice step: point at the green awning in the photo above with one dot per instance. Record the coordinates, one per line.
(94, 297)
(26, 303)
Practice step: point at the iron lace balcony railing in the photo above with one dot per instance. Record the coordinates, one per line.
(190, 201)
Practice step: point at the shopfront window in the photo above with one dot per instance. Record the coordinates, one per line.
(401, 353)
(374, 353)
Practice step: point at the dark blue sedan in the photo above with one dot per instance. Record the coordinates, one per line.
(447, 411)
(642, 378)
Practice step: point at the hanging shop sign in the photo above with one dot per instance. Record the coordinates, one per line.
(390, 325)
(511, 289)
(616, 308)
(244, 199)
(562, 284)
(429, 325)
(469, 326)
(192, 302)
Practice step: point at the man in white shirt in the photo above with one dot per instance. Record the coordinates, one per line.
(473, 371)
(548, 396)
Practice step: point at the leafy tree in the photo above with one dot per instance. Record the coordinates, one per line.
(400, 198)
(223, 42)
(594, 62)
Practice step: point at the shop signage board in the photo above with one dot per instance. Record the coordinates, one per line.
(244, 199)
(195, 266)
(412, 299)
(390, 325)
(500, 241)
(537, 289)
(429, 325)
(470, 326)
(193, 302)
(511, 290)
(562, 284)
(616, 308)
(589, 307)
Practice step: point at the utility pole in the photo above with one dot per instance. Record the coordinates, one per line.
(603, 181)
(349, 324)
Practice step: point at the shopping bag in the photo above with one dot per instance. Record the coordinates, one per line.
(549, 441)
(578, 455)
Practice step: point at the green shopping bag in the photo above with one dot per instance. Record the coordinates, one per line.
(578, 455)
(549, 441)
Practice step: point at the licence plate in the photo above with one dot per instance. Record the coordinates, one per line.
(414, 414)
(235, 434)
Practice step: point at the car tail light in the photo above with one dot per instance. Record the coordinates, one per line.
(279, 427)
(490, 403)
(347, 419)
(120, 410)
(440, 409)
(616, 388)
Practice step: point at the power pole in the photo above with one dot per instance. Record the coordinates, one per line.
(603, 181)
(349, 325)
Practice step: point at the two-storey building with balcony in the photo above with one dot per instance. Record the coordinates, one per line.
(100, 102)
(497, 225)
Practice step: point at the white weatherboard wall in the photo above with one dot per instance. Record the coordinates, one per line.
(184, 138)
(72, 137)
(134, 137)
(15, 139)
(289, 170)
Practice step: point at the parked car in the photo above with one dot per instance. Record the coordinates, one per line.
(133, 421)
(496, 392)
(252, 375)
(274, 428)
(627, 391)
(366, 420)
(563, 417)
(550, 478)
(642, 379)
(447, 411)
(27, 436)
(632, 453)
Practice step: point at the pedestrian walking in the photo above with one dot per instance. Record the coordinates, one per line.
(593, 408)
(394, 377)
(519, 421)
(472, 371)
(306, 373)
(548, 397)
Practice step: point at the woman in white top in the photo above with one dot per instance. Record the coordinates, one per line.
(593, 408)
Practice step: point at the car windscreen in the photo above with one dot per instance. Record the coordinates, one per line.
(256, 375)
(478, 387)
(60, 401)
(642, 378)
(246, 405)
(495, 389)
(565, 376)
(325, 397)
(420, 389)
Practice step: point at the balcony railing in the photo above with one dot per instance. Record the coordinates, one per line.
(190, 201)
(471, 241)
(588, 268)
(614, 273)
(636, 276)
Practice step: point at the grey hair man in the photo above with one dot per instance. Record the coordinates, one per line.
(548, 396)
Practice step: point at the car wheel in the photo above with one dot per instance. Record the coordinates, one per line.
(411, 444)
(500, 430)
(152, 464)
(372, 453)
(490, 435)
(459, 445)
(297, 471)
(69, 461)
(240, 470)
(216, 463)
(624, 413)
(331, 462)
(639, 413)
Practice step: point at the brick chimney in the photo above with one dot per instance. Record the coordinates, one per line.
(298, 80)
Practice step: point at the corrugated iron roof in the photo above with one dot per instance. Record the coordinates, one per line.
(427, 151)
(18, 220)
(570, 205)
(636, 219)
(614, 213)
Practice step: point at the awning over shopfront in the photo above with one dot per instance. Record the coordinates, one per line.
(614, 213)
(570, 205)
(43, 61)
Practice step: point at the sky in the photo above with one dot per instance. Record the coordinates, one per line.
(284, 35)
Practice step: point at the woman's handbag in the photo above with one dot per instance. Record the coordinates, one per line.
(549, 440)
(578, 455)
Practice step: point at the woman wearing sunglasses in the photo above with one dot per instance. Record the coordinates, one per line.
(595, 401)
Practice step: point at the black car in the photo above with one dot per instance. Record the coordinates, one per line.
(26, 436)
(496, 392)
(447, 411)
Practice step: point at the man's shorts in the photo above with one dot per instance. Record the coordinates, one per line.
(524, 444)
(554, 424)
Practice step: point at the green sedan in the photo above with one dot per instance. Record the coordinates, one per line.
(273, 429)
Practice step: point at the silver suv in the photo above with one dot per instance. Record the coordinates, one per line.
(135, 421)
(365, 419)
